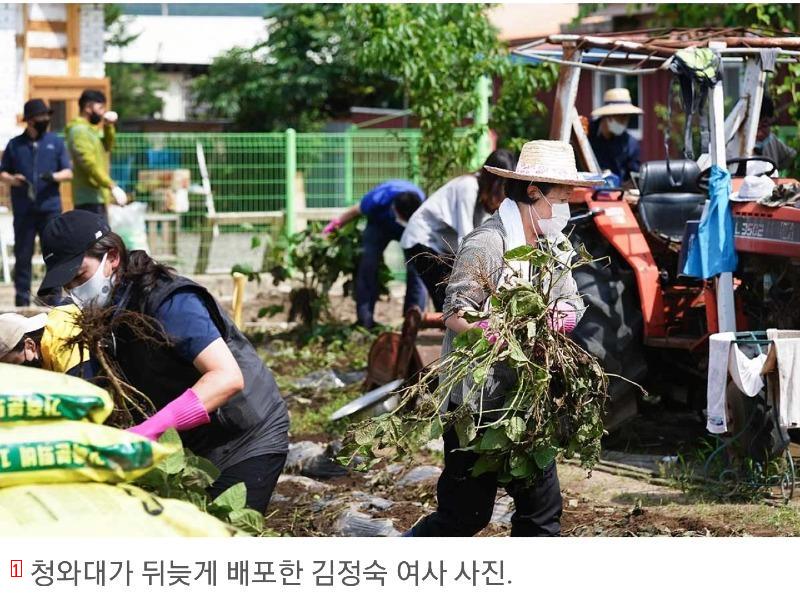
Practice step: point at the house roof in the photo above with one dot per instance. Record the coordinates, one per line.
(190, 40)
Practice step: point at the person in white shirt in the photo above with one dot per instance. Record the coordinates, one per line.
(435, 230)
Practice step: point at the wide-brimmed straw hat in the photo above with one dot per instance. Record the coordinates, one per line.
(546, 161)
(616, 102)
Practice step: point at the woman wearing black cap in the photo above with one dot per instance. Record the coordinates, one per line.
(208, 382)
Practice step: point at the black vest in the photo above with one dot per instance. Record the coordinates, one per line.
(159, 373)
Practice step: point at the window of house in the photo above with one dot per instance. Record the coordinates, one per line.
(732, 74)
(604, 81)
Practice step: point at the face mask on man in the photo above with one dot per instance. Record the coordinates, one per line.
(616, 128)
(41, 127)
(95, 291)
(35, 362)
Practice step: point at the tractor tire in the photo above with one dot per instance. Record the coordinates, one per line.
(612, 325)
(753, 422)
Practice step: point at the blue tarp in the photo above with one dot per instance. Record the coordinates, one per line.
(712, 250)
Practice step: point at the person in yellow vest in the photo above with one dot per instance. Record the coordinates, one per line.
(40, 341)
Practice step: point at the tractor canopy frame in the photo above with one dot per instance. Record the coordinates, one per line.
(645, 52)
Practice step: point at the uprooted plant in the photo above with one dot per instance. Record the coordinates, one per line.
(529, 393)
(98, 326)
(318, 262)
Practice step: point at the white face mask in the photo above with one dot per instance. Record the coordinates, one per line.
(96, 290)
(552, 227)
(616, 128)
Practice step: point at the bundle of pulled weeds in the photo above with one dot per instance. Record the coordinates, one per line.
(530, 395)
(98, 328)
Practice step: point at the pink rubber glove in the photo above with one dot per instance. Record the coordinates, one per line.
(332, 226)
(183, 413)
(562, 318)
(488, 334)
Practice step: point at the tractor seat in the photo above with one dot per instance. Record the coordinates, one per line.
(667, 202)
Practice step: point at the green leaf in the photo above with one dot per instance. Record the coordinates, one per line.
(255, 242)
(174, 463)
(468, 338)
(521, 253)
(466, 431)
(248, 520)
(233, 498)
(170, 437)
(203, 465)
(486, 464)
(494, 438)
(436, 429)
(515, 430)
(364, 434)
(515, 351)
(522, 466)
(480, 374)
(545, 456)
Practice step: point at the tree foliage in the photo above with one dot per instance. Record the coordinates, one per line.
(438, 52)
(134, 87)
(304, 74)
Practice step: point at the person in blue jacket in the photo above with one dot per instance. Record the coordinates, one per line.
(387, 206)
(33, 164)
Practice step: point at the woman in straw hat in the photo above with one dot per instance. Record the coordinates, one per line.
(616, 150)
(535, 212)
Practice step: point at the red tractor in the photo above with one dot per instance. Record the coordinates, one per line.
(645, 320)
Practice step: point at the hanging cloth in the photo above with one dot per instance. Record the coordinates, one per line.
(712, 250)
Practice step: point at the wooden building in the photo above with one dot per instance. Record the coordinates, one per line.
(49, 51)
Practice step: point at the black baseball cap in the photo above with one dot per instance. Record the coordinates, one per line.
(65, 241)
(35, 107)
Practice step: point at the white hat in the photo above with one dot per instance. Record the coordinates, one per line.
(616, 102)
(14, 326)
(547, 161)
(753, 188)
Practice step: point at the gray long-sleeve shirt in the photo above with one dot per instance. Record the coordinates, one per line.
(477, 271)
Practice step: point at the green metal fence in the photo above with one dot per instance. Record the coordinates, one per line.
(251, 175)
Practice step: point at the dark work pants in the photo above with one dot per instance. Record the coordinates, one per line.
(434, 269)
(26, 227)
(465, 503)
(99, 209)
(259, 474)
(373, 243)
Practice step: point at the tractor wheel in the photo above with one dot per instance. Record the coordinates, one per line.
(753, 422)
(612, 326)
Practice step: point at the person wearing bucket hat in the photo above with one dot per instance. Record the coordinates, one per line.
(435, 230)
(33, 165)
(616, 150)
(202, 375)
(535, 212)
